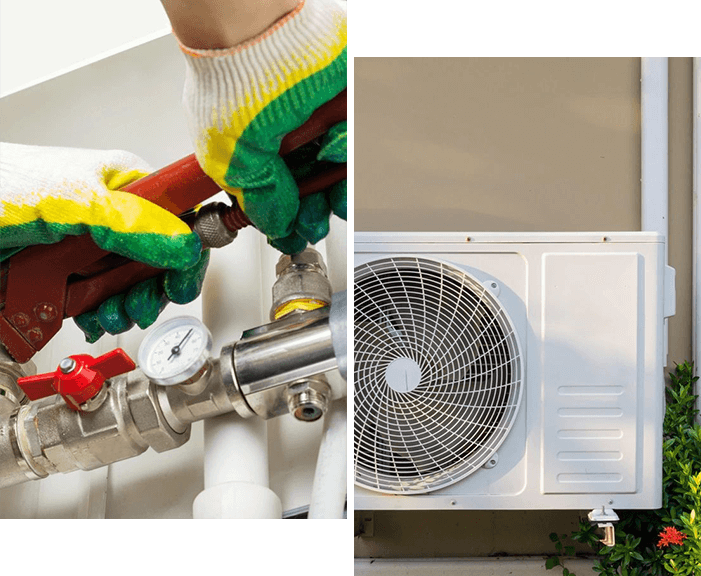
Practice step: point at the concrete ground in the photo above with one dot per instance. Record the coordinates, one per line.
(506, 566)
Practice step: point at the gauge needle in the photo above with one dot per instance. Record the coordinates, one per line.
(175, 350)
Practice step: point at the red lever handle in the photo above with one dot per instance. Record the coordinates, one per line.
(78, 378)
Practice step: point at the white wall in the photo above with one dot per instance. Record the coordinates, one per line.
(40, 39)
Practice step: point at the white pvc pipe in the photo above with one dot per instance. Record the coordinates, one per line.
(329, 487)
(236, 471)
(696, 291)
(654, 153)
(236, 449)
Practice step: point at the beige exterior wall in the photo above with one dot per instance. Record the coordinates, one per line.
(515, 144)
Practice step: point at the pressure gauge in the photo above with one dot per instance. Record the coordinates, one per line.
(176, 352)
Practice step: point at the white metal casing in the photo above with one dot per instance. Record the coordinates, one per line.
(588, 309)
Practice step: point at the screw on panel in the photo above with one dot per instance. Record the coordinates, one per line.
(493, 287)
(492, 462)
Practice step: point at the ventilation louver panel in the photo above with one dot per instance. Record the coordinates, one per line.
(438, 375)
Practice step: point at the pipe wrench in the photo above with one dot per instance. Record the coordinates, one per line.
(43, 284)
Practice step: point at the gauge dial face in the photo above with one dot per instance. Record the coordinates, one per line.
(175, 351)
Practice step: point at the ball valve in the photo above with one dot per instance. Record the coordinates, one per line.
(79, 379)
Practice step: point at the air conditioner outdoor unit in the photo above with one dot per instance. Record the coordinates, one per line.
(509, 370)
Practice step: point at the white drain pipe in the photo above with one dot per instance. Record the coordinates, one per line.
(236, 472)
(654, 153)
(696, 300)
(329, 486)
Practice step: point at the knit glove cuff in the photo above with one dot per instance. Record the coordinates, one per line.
(242, 101)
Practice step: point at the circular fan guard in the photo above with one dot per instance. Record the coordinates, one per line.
(438, 375)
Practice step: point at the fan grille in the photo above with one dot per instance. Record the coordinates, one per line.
(438, 375)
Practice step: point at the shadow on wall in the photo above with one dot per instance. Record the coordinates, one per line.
(412, 220)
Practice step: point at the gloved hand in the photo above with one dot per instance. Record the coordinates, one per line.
(242, 101)
(47, 193)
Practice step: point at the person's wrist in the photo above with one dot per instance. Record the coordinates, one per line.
(221, 25)
(261, 20)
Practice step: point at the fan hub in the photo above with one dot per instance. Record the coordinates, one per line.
(403, 375)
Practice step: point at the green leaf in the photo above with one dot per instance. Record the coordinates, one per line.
(617, 555)
(551, 562)
(553, 537)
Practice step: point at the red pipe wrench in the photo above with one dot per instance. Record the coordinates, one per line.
(43, 284)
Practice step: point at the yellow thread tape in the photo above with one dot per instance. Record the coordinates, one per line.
(305, 304)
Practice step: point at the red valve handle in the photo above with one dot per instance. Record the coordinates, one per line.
(79, 381)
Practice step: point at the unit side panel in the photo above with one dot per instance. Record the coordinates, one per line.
(590, 331)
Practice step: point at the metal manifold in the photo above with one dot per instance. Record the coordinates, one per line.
(274, 369)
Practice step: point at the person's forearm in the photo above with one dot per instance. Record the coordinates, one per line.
(213, 24)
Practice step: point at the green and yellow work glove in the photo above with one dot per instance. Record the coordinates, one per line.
(242, 101)
(47, 193)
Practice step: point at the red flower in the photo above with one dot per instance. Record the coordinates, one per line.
(670, 535)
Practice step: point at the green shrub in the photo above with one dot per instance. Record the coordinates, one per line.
(668, 540)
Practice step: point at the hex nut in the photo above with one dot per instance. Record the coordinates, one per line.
(302, 285)
(300, 277)
(10, 372)
(309, 258)
(149, 419)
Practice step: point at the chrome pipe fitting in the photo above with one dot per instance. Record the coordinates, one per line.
(270, 358)
(274, 369)
(308, 400)
(46, 437)
(11, 395)
(338, 320)
(302, 284)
